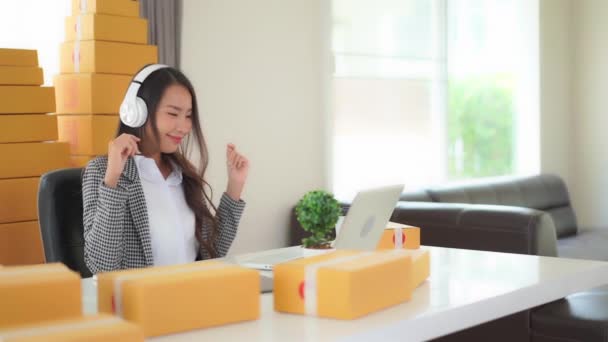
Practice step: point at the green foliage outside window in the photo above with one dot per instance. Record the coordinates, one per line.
(481, 127)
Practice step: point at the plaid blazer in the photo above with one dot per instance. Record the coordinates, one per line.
(116, 230)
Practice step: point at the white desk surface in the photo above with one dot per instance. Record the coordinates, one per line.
(465, 288)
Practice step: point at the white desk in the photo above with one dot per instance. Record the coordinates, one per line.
(465, 288)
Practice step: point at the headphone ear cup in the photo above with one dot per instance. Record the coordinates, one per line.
(141, 111)
(126, 112)
(134, 113)
(133, 110)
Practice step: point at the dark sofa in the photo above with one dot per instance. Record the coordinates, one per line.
(545, 194)
(526, 215)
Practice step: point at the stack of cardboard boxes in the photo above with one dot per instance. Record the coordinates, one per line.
(26, 152)
(106, 44)
(44, 303)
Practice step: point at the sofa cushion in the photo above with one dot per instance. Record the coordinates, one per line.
(587, 244)
(416, 196)
(483, 227)
(543, 192)
(564, 219)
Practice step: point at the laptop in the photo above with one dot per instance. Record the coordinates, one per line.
(362, 228)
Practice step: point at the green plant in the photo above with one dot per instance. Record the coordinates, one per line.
(318, 211)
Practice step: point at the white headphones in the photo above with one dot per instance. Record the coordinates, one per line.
(133, 109)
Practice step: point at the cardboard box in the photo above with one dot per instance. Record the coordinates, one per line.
(343, 284)
(19, 199)
(19, 75)
(106, 27)
(21, 243)
(113, 7)
(421, 266)
(26, 99)
(97, 328)
(38, 293)
(90, 93)
(398, 236)
(18, 57)
(105, 57)
(27, 128)
(80, 161)
(165, 300)
(87, 134)
(32, 159)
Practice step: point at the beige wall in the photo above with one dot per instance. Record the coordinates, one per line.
(590, 114)
(574, 98)
(256, 69)
(556, 88)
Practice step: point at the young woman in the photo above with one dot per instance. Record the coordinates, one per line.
(144, 203)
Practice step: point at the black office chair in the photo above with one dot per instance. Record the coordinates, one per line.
(60, 215)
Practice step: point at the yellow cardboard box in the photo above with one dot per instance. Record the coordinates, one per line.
(18, 57)
(32, 159)
(106, 27)
(165, 300)
(26, 99)
(80, 161)
(105, 57)
(19, 75)
(398, 236)
(20, 243)
(87, 134)
(421, 266)
(96, 328)
(112, 7)
(18, 197)
(343, 284)
(38, 293)
(90, 93)
(27, 128)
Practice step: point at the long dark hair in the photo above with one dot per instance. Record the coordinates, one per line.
(197, 191)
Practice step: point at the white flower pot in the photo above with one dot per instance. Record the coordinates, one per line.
(308, 252)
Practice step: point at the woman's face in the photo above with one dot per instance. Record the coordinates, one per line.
(173, 118)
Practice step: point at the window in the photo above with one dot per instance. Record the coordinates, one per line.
(37, 25)
(433, 91)
(492, 88)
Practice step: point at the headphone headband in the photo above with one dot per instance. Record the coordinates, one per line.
(133, 110)
(146, 71)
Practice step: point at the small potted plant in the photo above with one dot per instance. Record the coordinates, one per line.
(318, 212)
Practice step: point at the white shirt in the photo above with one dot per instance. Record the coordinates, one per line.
(170, 219)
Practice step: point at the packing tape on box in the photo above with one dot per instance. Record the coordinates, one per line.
(76, 52)
(78, 27)
(76, 56)
(68, 326)
(83, 6)
(398, 236)
(310, 280)
(117, 297)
